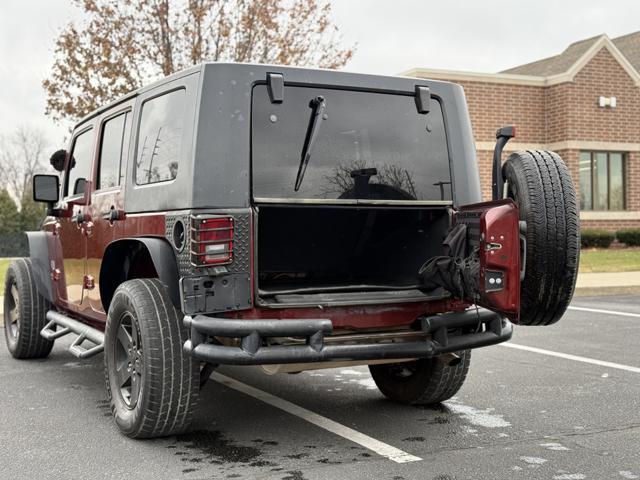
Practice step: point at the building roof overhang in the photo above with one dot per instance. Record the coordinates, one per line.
(532, 80)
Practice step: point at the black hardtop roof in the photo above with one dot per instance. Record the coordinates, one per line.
(301, 74)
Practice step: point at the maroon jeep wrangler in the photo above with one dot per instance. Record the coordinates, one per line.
(294, 219)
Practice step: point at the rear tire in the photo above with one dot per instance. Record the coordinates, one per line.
(426, 381)
(539, 182)
(153, 386)
(24, 312)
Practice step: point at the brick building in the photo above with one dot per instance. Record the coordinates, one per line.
(583, 103)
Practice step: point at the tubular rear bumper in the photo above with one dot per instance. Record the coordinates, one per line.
(489, 328)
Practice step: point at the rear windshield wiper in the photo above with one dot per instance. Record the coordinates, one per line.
(318, 107)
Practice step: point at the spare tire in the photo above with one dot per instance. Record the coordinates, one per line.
(539, 182)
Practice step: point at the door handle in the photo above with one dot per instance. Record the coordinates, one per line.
(113, 215)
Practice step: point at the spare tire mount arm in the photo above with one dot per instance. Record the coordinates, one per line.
(503, 135)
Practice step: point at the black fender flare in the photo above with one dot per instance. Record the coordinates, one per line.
(114, 271)
(40, 257)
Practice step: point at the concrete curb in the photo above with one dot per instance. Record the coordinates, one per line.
(606, 291)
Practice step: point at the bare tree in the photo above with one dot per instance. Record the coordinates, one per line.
(340, 180)
(22, 154)
(122, 45)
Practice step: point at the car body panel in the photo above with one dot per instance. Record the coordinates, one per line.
(214, 177)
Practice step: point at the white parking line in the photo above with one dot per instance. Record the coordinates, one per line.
(576, 358)
(606, 312)
(381, 448)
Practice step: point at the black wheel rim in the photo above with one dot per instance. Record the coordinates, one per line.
(128, 360)
(12, 311)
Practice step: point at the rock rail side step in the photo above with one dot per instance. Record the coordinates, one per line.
(69, 325)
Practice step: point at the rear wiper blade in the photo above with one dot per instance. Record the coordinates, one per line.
(318, 107)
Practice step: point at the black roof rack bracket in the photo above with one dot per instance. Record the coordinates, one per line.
(423, 99)
(275, 86)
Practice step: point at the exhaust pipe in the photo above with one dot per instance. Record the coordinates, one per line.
(449, 359)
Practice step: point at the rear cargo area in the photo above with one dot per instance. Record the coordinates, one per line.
(345, 254)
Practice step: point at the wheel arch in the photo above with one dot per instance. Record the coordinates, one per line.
(138, 257)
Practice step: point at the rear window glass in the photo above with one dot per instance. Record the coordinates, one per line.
(160, 138)
(369, 145)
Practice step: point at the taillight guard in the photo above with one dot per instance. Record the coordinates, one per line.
(211, 240)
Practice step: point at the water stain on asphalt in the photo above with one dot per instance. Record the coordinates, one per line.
(214, 447)
(105, 407)
(262, 463)
(297, 456)
(294, 475)
(439, 420)
(440, 407)
(265, 442)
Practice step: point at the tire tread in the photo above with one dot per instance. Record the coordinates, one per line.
(33, 309)
(547, 201)
(432, 383)
(172, 378)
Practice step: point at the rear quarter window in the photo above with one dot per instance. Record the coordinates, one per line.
(160, 138)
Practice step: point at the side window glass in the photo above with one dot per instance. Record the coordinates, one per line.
(79, 168)
(160, 138)
(112, 151)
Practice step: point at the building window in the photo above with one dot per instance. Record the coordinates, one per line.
(602, 181)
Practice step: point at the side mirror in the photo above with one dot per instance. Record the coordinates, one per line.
(80, 187)
(81, 192)
(46, 188)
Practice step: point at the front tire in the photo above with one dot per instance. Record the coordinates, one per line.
(24, 312)
(152, 384)
(426, 381)
(539, 182)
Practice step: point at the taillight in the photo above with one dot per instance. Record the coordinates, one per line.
(211, 240)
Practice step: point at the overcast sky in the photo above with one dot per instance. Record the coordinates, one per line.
(391, 35)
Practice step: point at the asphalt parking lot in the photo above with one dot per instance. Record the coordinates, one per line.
(560, 402)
